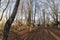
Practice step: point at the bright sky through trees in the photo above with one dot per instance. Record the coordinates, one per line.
(40, 4)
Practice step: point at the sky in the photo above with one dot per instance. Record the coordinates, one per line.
(2, 6)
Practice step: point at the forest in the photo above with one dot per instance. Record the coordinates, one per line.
(29, 19)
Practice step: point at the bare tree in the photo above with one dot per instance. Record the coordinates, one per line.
(22, 9)
(10, 21)
(43, 10)
(29, 11)
(54, 8)
(4, 10)
(35, 12)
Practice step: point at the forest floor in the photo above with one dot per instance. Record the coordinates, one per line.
(35, 34)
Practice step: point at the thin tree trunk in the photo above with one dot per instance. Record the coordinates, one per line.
(4, 9)
(43, 17)
(57, 19)
(34, 13)
(10, 21)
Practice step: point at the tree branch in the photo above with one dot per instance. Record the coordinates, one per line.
(4, 10)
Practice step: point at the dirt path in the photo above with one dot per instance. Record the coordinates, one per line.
(54, 35)
(37, 34)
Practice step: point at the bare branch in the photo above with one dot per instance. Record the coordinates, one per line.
(4, 10)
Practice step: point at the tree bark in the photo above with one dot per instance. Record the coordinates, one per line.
(10, 21)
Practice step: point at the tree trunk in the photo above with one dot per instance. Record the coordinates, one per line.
(43, 18)
(57, 19)
(10, 21)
